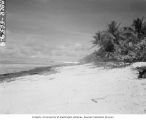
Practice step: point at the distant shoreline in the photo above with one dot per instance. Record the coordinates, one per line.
(37, 70)
(51, 69)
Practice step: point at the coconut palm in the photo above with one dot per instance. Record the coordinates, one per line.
(139, 27)
(127, 43)
(114, 31)
(98, 38)
(104, 40)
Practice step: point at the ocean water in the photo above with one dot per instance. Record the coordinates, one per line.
(11, 68)
(17, 65)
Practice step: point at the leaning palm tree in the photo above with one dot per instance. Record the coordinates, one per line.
(105, 43)
(98, 38)
(112, 35)
(104, 40)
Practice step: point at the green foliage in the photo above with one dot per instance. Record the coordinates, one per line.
(139, 27)
(127, 44)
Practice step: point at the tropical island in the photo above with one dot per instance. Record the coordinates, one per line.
(110, 80)
(73, 57)
(126, 44)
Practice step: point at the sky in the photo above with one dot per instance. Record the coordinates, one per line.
(62, 29)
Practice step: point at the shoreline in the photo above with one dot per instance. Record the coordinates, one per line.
(7, 77)
(76, 89)
(51, 69)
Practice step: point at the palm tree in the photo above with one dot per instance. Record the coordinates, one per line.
(104, 40)
(139, 27)
(127, 43)
(97, 39)
(114, 31)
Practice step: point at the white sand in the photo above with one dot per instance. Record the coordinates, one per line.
(80, 89)
(139, 64)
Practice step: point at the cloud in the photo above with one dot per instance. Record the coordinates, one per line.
(25, 45)
(70, 51)
(37, 46)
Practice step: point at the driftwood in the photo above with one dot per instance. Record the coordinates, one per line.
(142, 72)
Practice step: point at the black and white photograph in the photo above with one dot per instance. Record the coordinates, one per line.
(73, 57)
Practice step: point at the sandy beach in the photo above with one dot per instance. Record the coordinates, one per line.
(79, 89)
